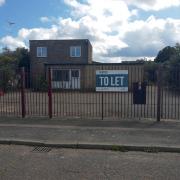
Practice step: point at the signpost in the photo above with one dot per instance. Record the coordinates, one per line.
(112, 80)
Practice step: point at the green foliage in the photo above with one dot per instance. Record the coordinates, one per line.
(151, 149)
(171, 74)
(10, 61)
(169, 58)
(6, 78)
(118, 148)
(41, 84)
(165, 54)
(7, 61)
(150, 71)
(23, 58)
(169, 55)
(14, 59)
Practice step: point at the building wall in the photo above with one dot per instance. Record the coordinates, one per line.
(58, 56)
(90, 53)
(88, 73)
(135, 73)
(58, 52)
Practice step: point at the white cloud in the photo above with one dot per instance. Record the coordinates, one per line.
(153, 4)
(109, 27)
(146, 38)
(98, 21)
(45, 19)
(2, 2)
(11, 42)
(37, 33)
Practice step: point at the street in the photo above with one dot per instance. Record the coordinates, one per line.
(27, 163)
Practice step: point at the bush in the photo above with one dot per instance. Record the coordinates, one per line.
(41, 84)
(6, 79)
(150, 72)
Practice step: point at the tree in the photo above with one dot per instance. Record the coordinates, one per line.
(165, 54)
(170, 58)
(7, 72)
(23, 58)
(20, 57)
(10, 62)
(150, 71)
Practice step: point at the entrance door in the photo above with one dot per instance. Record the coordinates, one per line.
(75, 78)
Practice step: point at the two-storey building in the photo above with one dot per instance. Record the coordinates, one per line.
(71, 64)
(58, 53)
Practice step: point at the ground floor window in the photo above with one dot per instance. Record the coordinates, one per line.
(75, 73)
(66, 78)
(60, 75)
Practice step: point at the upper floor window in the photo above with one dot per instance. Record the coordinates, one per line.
(41, 51)
(75, 51)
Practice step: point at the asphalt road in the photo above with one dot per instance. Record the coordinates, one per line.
(26, 163)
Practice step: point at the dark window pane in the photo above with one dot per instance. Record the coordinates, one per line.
(75, 73)
(60, 75)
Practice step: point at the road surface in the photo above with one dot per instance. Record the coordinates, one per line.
(27, 163)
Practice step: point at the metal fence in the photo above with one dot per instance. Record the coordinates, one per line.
(10, 93)
(70, 91)
(170, 92)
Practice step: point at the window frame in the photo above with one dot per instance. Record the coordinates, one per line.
(40, 51)
(61, 75)
(74, 73)
(74, 54)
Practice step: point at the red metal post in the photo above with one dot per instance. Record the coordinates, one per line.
(49, 93)
(159, 79)
(102, 111)
(23, 98)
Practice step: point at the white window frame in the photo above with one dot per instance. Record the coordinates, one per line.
(74, 48)
(40, 51)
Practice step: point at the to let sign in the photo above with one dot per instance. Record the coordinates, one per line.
(112, 80)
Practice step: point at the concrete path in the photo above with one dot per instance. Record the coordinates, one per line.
(97, 134)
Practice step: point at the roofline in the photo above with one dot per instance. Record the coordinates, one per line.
(60, 40)
(98, 64)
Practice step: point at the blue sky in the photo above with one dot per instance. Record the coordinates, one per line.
(118, 29)
(27, 13)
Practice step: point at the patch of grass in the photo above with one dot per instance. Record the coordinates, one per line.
(151, 150)
(3, 172)
(118, 148)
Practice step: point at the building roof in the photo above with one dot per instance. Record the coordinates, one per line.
(62, 40)
(129, 64)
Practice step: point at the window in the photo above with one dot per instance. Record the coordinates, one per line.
(75, 51)
(41, 51)
(75, 73)
(60, 75)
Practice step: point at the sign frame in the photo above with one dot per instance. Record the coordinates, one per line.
(112, 80)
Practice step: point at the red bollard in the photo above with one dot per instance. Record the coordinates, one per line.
(1, 93)
(49, 93)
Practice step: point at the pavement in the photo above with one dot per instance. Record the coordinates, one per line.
(123, 135)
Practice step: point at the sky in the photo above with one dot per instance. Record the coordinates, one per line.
(118, 30)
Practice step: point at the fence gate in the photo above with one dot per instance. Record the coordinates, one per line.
(88, 102)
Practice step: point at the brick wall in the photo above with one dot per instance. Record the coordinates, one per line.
(58, 52)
